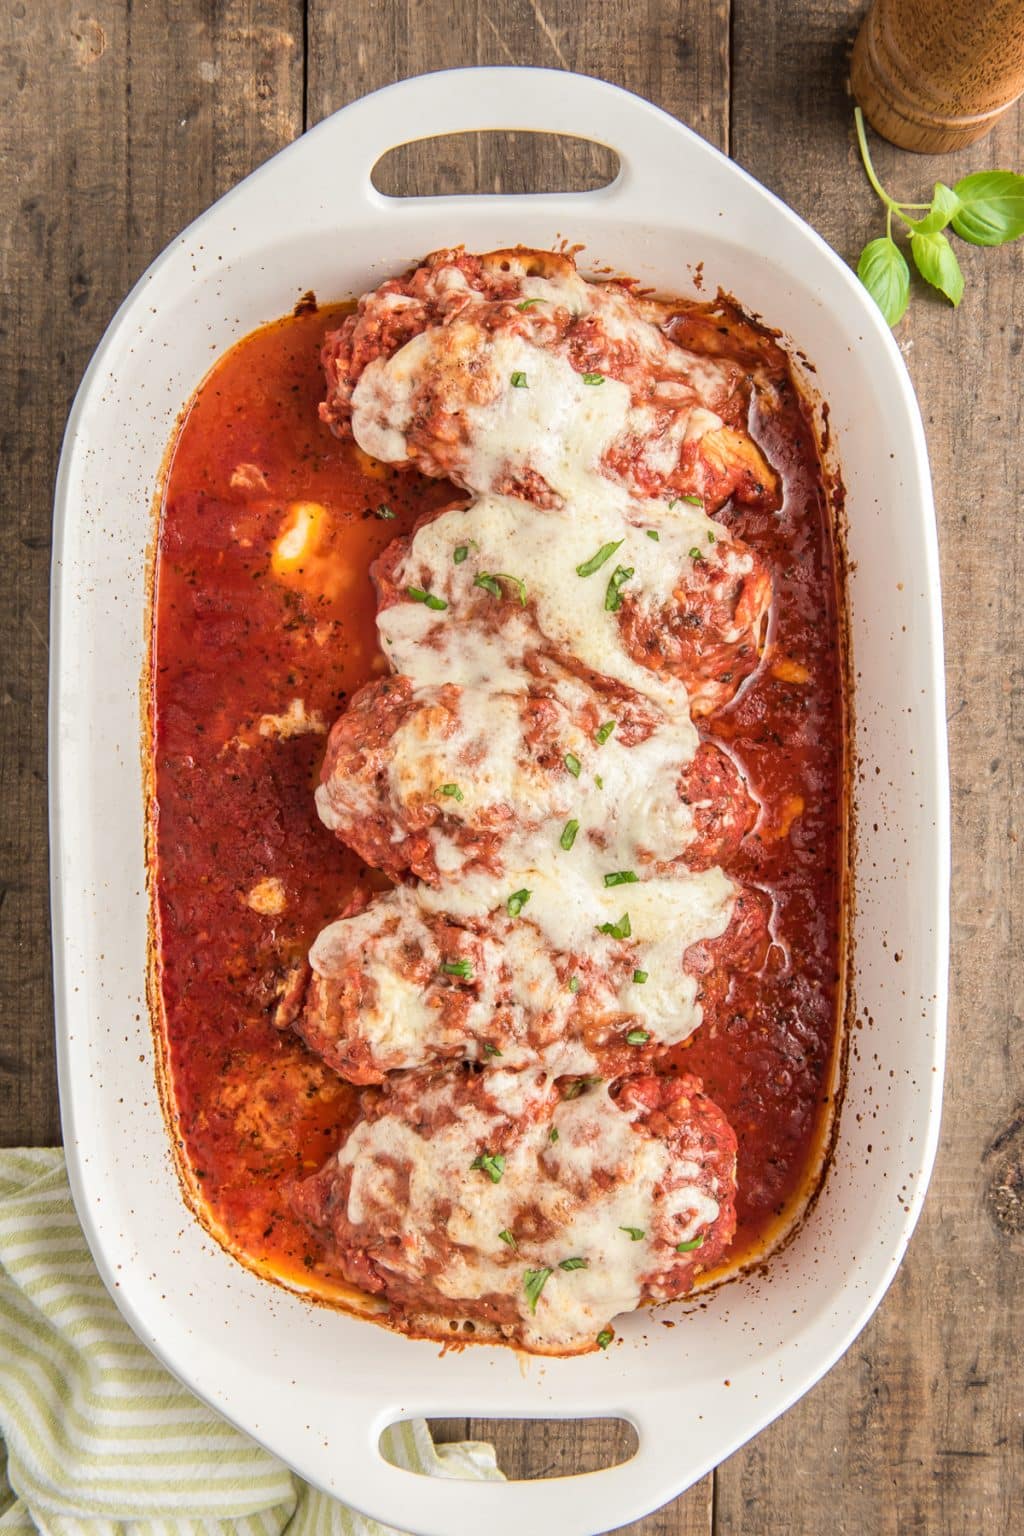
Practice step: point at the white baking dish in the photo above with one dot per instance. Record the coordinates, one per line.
(314, 1385)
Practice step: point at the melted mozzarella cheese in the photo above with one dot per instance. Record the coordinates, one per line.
(596, 1179)
(599, 1176)
(544, 550)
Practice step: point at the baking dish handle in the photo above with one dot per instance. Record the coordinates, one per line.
(583, 1504)
(529, 100)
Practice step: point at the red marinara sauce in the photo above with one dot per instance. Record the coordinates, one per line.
(255, 655)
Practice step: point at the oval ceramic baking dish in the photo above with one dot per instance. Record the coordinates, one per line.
(318, 1386)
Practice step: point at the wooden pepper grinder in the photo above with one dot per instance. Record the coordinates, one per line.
(932, 75)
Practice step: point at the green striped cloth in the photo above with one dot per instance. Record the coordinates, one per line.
(99, 1439)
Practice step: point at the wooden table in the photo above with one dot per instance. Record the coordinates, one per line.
(122, 120)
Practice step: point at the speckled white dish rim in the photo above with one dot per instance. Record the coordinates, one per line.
(317, 1386)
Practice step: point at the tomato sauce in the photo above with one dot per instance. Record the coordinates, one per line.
(253, 659)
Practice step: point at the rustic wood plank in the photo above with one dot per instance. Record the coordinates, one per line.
(676, 54)
(918, 1429)
(120, 124)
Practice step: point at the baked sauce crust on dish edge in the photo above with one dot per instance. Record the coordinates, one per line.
(513, 694)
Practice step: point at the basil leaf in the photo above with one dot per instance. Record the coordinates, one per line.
(621, 877)
(507, 1238)
(991, 210)
(620, 930)
(494, 1166)
(568, 836)
(418, 595)
(460, 553)
(593, 378)
(572, 763)
(574, 1263)
(578, 1085)
(884, 272)
(553, 1133)
(492, 584)
(637, 1037)
(635, 1233)
(384, 513)
(534, 1282)
(604, 1338)
(519, 381)
(452, 791)
(945, 204)
(640, 977)
(695, 1242)
(517, 901)
(461, 968)
(574, 984)
(613, 595)
(490, 1050)
(936, 261)
(529, 303)
(596, 561)
(695, 501)
(603, 732)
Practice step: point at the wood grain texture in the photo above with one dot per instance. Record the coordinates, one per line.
(919, 1427)
(935, 75)
(120, 122)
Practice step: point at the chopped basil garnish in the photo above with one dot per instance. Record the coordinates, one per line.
(419, 596)
(652, 533)
(553, 1133)
(572, 762)
(596, 561)
(529, 303)
(519, 381)
(461, 968)
(695, 501)
(460, 553)
(599, 781)
(452, 791)
(613, 596)
(604, 1338)
(637, 1037)
(568, 836)
(619, 930)
(673, 503)
(579, 1085)
(695, 554)
(621, 877)
(384, 513)
(695, 1242)
(490, 1050)
(517, 901)
(493, 1166)
(492, 584)
(603, 732)
(640, 977)
(534, 1282)
(593, 378)
(574, 983)
(574, 1263)
(507, 1238)
(635, 1233)
(711, 537)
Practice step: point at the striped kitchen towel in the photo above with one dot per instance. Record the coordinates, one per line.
(99, 1439)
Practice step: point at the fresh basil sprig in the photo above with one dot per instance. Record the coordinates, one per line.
(986, 208)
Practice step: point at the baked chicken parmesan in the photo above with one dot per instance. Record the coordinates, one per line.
(498, 753)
